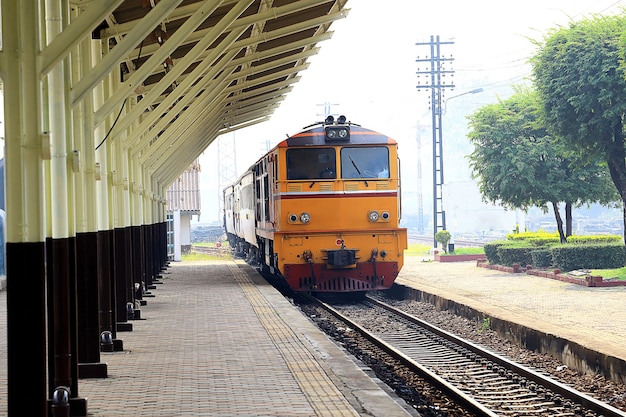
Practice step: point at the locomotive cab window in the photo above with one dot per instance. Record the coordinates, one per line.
(364, 162)
(311, 164)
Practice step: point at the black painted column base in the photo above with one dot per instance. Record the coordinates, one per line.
(92, 370)
(124, 327)
(136, 315)
(78, 407)
(118, 345)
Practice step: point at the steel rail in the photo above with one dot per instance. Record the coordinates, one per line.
(448, 389)
(565, 391)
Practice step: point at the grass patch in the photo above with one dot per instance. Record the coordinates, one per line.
(467, 251)
(417, 249)
(618, 273)
(421, 249)
(210, 244)
(194, 256)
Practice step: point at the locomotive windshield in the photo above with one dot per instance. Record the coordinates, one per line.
(311, 164)
(361, 162)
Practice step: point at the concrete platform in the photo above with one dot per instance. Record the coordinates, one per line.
(217, 340)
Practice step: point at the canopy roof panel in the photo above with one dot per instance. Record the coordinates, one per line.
(194, 69)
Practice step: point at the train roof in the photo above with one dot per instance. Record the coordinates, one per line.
(336, 132)
(317, 135)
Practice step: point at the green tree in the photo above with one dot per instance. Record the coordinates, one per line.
(579, 74)
(519, 164)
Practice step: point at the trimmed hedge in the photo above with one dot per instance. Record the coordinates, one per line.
(594, 239)
(491, 251)
(543, 240)
(517, 253)
(541, 258)
(532, 235)
(544, 249)
(601, 256)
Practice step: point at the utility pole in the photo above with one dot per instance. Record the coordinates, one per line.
(437, 80)
(327, 109)
(226, 166)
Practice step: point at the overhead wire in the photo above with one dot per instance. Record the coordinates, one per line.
(121, 108)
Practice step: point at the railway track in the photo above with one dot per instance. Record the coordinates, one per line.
(481, 382)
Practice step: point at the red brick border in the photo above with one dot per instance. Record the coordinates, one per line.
(587, 281)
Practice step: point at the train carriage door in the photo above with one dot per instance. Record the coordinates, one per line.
(273, 184)
(266, 194)
(263, 193)
(400, 192)
(258, 193)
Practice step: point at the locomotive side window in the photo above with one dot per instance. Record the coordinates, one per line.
(311, 163)
(365, 162)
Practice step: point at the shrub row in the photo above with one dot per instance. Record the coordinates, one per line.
(590, 256)
(588, 252)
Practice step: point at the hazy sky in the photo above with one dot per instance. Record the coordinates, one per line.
(367, 70)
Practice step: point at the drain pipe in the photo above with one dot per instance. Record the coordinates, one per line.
(308, 257)
(373, 259)
(61, 402)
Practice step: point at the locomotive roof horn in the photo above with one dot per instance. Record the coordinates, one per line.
(330, 119)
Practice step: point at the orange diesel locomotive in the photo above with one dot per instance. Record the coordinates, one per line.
(322, 210)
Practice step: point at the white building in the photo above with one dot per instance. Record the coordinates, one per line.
(183, 202)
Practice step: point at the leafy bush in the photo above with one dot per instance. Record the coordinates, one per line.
(541, 258)
(568, 257)
(543, 240)
(532, 235)
(543, 249)
(443, 237)
(597, 239)
(515, 253)
(491, 251)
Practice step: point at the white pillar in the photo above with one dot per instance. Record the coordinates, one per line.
(177, 250)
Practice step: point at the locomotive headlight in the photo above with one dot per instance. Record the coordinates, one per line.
(293, 218)
(337, 133)
(385, 215)
(305, 218)
(373, 216)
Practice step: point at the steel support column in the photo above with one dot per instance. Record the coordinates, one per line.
(26, 323)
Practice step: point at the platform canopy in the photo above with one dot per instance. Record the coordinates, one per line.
(192, 70)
